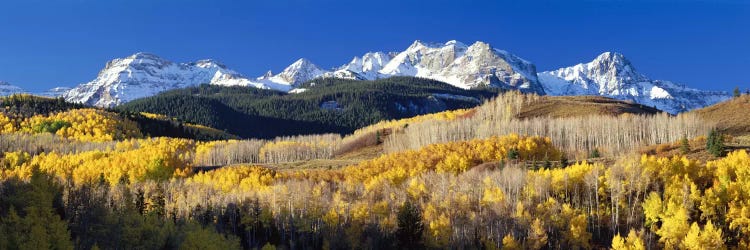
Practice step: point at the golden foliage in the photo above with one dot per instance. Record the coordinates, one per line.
(80, 124)
(154, 116)
(449, 115)
(130, 160)
(7, 125)
(238, 178)
(453, 157)
(676, 202)
(632, 242)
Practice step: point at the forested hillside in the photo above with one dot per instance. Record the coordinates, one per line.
(36, 114)
(324, 106)
(487, 177)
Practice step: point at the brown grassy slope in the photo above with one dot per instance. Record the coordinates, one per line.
(732, 117)
(578, 106)
(544, 106)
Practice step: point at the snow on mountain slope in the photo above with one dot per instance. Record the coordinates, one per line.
(143, 74)
(453, 62)
(464, 66)
(300, 71)
(612, 75)
(424, 59)
(7, 89)
(55, 92)
(365, 67)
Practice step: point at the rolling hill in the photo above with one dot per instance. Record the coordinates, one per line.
(730, 116)
(320, 106)
(580, 106)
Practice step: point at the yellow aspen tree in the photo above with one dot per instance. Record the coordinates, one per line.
(692, 239)
(537, 236)
(712, 237)
(618, 243)
(632, 242)
(674, 226)
(510, 243)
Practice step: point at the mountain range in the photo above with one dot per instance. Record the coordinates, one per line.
(477, 65)
(7, 89)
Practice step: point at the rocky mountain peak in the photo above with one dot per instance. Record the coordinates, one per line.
(144, 56)
(145, 74)
(419, 45)
(455, 43)
(615, 66)
(209, 63)
(301, 64)
(611, 74)
(300, 71)
(267, 75)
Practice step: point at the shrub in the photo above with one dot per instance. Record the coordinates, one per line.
(50, 126)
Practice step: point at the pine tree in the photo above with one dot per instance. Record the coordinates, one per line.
(715, 143)
(513, 154)
(410, 226)
(594, 153)
(684, 145)
(737, 92)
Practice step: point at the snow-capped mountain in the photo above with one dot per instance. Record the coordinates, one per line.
(300, 71)
(144, 74)
(452, 62)
(7, 89)
(612, 75)
(366, 67)
(55, 92)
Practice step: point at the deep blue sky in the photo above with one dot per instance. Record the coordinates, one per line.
(704, 44)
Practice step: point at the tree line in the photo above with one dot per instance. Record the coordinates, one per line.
(265, 114)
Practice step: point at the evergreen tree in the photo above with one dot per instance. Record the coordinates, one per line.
(410, 227)
(205, 238)
(737, 92)
(715, 143)
(38, 225)
(684, 145)
(594, 153)
(513, 154)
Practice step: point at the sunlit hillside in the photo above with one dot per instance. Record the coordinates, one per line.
(625, 177)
